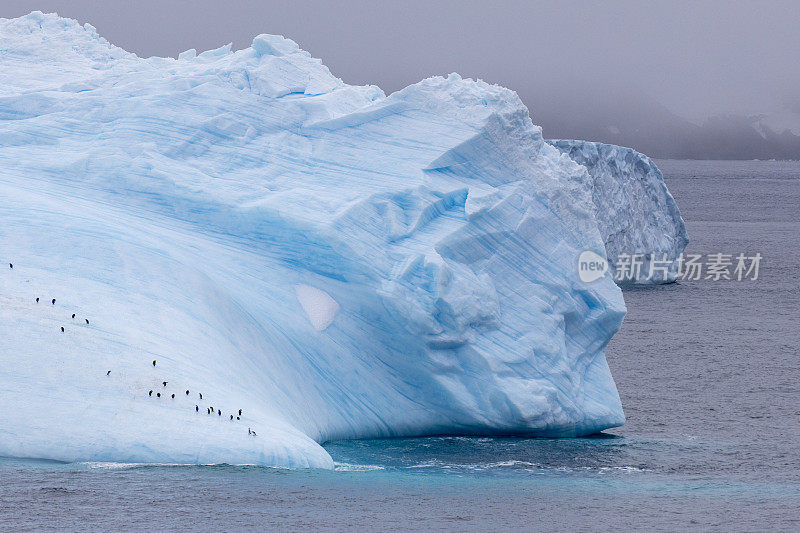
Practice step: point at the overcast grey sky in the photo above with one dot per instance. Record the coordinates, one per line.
(697, 58)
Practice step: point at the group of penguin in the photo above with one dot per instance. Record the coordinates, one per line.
(53, 302)
(209, 410)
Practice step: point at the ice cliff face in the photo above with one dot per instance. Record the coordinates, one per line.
(636, 214)
(243, 225)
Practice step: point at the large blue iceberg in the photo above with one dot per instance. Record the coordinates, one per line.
(331, 261)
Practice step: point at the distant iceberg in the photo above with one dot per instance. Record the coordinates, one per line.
(638, 219)
(331, 261)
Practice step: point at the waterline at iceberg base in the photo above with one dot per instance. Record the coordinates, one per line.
(331, 261)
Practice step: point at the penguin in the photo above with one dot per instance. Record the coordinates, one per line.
(150, 393)
(154, 362)
(231, 417)
(54, 301)
(37, 300)
(158, 394)
(219, 412)
(108, 373)
(240, 412)
(201, 395)
(208, 411)
(249, 432)
(165, 383)
(173, 396)
(187, 393)
(10, 265)
(237, 418)
(196, 408)
(87, 320)
(62, 329)
(212, 408)
(254, 433)
(73, 315)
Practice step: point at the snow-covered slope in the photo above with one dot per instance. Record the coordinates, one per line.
(333, 262)
(638, 219)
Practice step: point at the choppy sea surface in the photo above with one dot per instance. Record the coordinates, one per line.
(708, 372)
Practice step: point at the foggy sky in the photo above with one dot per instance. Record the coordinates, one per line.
(696, 58)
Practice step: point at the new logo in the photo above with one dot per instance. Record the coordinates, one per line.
(591, 266)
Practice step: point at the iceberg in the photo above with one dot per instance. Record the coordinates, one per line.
(234, 256)
(638, 219)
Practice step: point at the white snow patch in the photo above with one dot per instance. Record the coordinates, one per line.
(320, 308)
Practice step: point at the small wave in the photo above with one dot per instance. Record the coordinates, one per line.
(513, 465)
(429, 464)
(56, 490)
(597, 469)
(623, 469)
(348, 467)
(111, 465)
(510, 464)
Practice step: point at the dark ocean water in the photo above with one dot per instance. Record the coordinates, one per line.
(709, 374)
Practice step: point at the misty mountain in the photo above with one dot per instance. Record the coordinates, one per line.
(630, 118)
